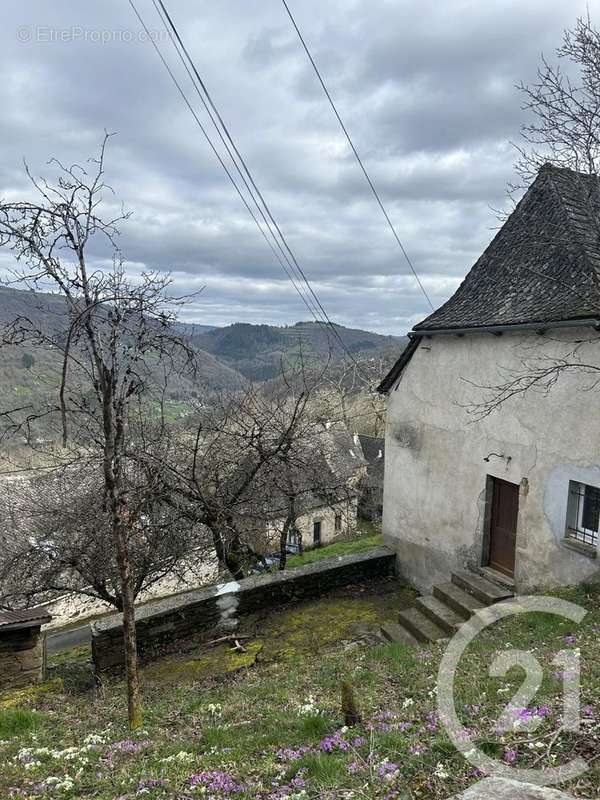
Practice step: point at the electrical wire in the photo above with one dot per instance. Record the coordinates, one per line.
(358, 158)
(218, 155)
(224, 127)
(311, 300)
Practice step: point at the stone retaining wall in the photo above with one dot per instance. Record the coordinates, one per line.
(22, 657)
(207, 612)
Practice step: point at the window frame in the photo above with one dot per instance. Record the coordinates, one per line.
(578, 509)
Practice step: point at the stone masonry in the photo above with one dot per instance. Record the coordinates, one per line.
(22, 647)
(214, 610)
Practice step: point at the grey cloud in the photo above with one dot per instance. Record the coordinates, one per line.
(425, 87)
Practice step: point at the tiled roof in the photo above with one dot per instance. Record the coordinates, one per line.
(24, 617)
(542, 266)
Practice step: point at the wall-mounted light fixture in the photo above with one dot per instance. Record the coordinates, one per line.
(508, 459)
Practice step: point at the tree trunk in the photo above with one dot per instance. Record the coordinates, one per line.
(283, 547)
(114, 430)
(134, 707)
(283, 539)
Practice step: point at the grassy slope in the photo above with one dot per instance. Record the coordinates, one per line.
(266, 718)
(370, 538)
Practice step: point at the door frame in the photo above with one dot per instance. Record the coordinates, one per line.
(317, 542)
(491, 481)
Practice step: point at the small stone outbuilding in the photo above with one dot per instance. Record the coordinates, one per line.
(22, 647)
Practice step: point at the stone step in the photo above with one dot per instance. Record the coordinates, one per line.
(394, 632)
(457, 599)
(484, 590)
(507, 789)
(420, 626)
(497, 577)
(438, 612)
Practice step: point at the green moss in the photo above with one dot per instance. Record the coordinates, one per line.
(310, 627)
(30, 694)
(222, 660)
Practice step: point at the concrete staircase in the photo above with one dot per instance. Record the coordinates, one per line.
(438, 615)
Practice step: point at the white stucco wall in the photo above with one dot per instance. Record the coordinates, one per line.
(326, 514)
(435, 473)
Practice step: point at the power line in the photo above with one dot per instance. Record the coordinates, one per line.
(224, 127)
(311, 300)
(307, 301)
(358, 158)
(218, 155)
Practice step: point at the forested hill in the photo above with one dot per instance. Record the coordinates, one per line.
(256, 350)
(32, 374)
(228, 356)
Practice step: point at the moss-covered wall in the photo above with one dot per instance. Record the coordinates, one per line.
(206, 612)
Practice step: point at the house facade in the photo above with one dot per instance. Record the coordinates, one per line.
(320, 522)
(326, 496)
(493, 440)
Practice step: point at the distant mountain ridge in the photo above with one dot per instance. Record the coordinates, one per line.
(228, 356)
(256, 350)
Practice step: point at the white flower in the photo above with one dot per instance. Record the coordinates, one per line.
(440, 772)
(408, 702)
(182, 756)
(309, 707)
(94, 738)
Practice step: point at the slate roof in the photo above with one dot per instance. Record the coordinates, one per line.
(24, 618)
(542, 266)
(342, 451)
(324, 470)
(373, 448)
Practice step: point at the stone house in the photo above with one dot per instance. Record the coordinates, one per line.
(326, 495)
(492, 456)
(22, 647)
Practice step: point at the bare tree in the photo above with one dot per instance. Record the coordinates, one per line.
(564, 107)
(563, 129)
(211, 471)
(348, 388)
(310, 470)
(300, 481)
(250, 456)
(539, 372)
(114, 331)
(59, 529)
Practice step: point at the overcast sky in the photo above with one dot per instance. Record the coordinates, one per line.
(426, 88)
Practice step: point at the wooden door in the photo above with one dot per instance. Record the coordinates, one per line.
(503, 526)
